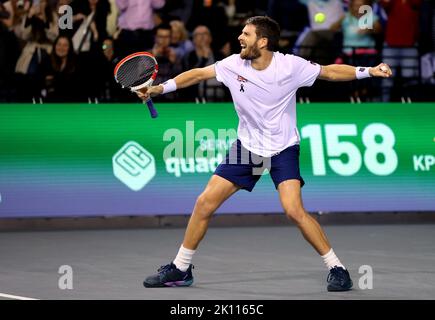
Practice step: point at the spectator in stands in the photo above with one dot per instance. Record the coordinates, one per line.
(401, 37)
(428, 59)
(4, 14)
(40, 17)
(29, 68)
(428, 68)
(9, 51)
(176, 10)
(91, 23)
(100, 9)
(180, 39)
(110, 91)
(162, 44)
(169, 64)
(213, 15)
(136, 24)
(359, 45)
(203, 55)
(87, 42)
(318, 42)
(112, 18)
(16, 13)
(61, 72)
(427, 26)
(22, 14)
(358, 42)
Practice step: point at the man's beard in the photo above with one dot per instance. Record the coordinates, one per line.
(251, 53)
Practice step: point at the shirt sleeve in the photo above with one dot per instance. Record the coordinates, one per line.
(305, 72)
(223, 69)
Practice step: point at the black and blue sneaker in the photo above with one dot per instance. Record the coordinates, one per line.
(170, 276)
(339, 279)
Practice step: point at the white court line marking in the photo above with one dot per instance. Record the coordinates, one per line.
(10, 296)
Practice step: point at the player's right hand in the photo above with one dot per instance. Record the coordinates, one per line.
(147, 92)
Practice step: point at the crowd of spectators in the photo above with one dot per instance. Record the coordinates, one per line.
(53, 53)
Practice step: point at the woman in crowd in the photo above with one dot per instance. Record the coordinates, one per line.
(61, 72)
(180, 39)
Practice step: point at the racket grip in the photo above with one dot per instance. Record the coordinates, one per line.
(153, 110)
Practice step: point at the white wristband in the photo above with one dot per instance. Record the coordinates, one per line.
(169, 86)
(362, 72)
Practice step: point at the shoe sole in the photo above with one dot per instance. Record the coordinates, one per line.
(338, 289)
(170, 284)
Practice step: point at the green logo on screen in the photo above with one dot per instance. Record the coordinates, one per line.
(134, 166)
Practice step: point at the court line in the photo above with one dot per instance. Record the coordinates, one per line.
(10, 296)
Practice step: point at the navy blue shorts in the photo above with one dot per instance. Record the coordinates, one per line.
(244, 168)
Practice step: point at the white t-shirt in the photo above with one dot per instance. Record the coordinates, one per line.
(265, 100)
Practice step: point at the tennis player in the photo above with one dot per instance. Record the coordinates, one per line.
(263, 85)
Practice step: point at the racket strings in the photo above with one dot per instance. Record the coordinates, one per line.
(135, 71)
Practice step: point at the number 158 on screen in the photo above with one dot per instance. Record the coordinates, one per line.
(379, 157)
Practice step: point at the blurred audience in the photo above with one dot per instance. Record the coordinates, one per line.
(211, 13)
(109, 90)
(36, 28)
(331, 11)
(185, 34)
(112, 18)
(91, 24)
(200, 57)
(9, 52)
(359, 41)
(176, 10)
(166, 56)
(401, 38)
(61, 74)
(318, 40)
(136, 23)
(427, 46)
(359, 44)
(180, 39)
(428, 68)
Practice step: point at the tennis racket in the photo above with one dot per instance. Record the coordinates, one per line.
(137, 71)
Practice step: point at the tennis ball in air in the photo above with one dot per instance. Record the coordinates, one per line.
(319, 17)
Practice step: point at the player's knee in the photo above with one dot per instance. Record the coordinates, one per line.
(204, 206)
(296, 213)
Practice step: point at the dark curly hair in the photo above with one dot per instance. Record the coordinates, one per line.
(268, 28)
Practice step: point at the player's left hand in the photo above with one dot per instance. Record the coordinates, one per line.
(382, 70)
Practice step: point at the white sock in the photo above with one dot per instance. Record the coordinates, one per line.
(331, 260)
(183, 259)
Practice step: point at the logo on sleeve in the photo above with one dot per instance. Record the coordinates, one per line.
(242, 81)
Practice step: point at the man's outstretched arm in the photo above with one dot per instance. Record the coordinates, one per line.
(343, 72)
(183, 80)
